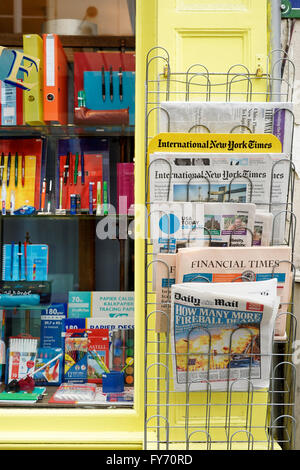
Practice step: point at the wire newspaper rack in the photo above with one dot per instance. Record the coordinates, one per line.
(208, 419)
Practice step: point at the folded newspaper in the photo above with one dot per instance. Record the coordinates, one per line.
(177, 225)
(257, 118)
(261, 179)
(238, 264)
(222, 340)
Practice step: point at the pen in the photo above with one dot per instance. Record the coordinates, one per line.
(76, 168)
(98, 206)
(60, 192)
(82, 168)
(121, 84)
(3, 197)
(43, 194)
(67, 165)
(12, 261)
(111, 89)
(105, 199)
(91, 197)
(23, 170)
(49, 196)
(20, 261)
(8, 168)
(16, 168)
(71, 170)
(2, 168)
(25, 259)
(12, 202)
(103, 84)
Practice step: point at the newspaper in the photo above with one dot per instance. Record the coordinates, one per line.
(263, 226)
(221, 338)
(240, 264)
(164, 273)
(179, 225)
(236, 178)
(257, 118)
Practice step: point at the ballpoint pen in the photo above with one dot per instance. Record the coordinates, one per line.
(49, 196)
(103, 84)
(111, 89)
(76, 168)
(105, 198)
(20, 261)
(2, 168)
(82, 167)
(67, 166)
(60, 192)
(98, 206)
(12, 260)
(16, 168)
(120, 84)
(3, 197)
(43, 195)
(8, 169)
(23, 170)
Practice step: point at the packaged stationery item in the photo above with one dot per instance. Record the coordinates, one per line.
(52, 325)
(50, 374)
(22, 396)
(79, 304)
(21, 356)
(24, 261)
(98, 354)
(11, 105)
(221, 337)
(76, 353)
(74, 393)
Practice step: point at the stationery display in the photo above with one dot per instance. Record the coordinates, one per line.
(221, 335)
(82, 171)
(104, 88)
(22, 171)
(23, 261)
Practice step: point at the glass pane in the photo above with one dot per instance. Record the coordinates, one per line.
(67, 205)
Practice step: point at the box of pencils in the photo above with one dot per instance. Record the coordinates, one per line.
(76, 356)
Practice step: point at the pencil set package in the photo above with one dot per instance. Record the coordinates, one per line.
(21, 358)
(76, 355)
(52, 373)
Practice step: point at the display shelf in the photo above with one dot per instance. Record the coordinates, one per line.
(67, 131)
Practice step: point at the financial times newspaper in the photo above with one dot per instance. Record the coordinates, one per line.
(221, 338)
(257, 118)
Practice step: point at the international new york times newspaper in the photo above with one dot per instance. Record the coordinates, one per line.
(261, 179)
(222, 338)
(257, 118)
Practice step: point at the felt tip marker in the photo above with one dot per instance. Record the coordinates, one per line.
(98, 207)
(105, 198)
(43, 194)
(3, 198)
(91, 184)
(61, 192)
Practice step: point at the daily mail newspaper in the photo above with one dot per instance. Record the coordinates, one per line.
(177, 225)
(258, 118)
(221, 338)
(238, 264)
